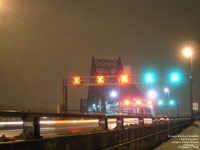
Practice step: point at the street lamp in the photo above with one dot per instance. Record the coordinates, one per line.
(188, 52)
(152, 94)
(166, 90)
(113, 94)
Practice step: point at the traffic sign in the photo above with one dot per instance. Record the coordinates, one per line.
(195, 106)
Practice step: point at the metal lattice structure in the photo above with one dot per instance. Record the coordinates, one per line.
(106, 67)
(98, 96)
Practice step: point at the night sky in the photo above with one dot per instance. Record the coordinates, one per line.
(41, 41)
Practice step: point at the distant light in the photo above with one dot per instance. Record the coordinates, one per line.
(171, 102)
(94, 105)
(175, 77)
(124, 79)
(138, 102)
(149, 78)
(149, 102)
(160, 102)
(152, 94)
(113, 94)
(166, 90)
(127, 102)
(100, 79)
(76, 80)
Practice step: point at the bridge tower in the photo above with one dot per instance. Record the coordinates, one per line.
(97, 95)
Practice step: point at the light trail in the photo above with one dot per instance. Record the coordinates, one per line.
(51, 122)
(12, 123)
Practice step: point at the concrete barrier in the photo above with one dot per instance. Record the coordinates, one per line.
(103, 140)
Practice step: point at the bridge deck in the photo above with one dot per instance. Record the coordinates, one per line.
(186, 139)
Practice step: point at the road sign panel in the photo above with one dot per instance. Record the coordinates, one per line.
(195, 106)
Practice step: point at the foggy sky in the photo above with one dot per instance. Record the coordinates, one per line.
(41, 41)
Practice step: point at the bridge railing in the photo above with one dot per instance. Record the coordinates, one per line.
(31, 120)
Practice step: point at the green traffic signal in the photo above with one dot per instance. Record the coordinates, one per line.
(171, 102)
(175, 77)
(149, 78)
(160, 102)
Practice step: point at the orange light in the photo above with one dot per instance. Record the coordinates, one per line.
(162, 118)
(100, 79)
(138, 102)
(149, 102)
(76, 80)
(124, 79)
(68, 121)
(126, 102)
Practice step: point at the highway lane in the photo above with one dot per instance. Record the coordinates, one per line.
(58, 127)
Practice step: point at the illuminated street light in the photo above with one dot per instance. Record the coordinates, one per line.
(152, 94)
(166, 90)
(113, 94)
(187, 52)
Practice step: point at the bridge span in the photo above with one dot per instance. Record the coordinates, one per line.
(139, 136)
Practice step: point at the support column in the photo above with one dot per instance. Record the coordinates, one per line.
(120, 122)
(64, 94)
(153, 121)
(103, 122)
(31, 126)
(141, 121)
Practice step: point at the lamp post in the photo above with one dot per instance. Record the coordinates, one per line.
(187, 52)
(166, 90)
(178, 109)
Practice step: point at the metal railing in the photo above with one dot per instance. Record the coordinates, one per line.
(31, 119)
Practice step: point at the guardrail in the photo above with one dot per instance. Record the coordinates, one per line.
(31, 120)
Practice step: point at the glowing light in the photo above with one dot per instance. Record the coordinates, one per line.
(126, 102)
(100, 79)
(76, 80)
(124, 79)
(166, 90)
(12, 123)
(187, 52)
(149, 102)
(171, 102)
(175, 77)
(49, 122)
(147, 120)
(160, 102)
(138, 102)
(113, 94)
(149, 78)
(152, 94)
(162, 118)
